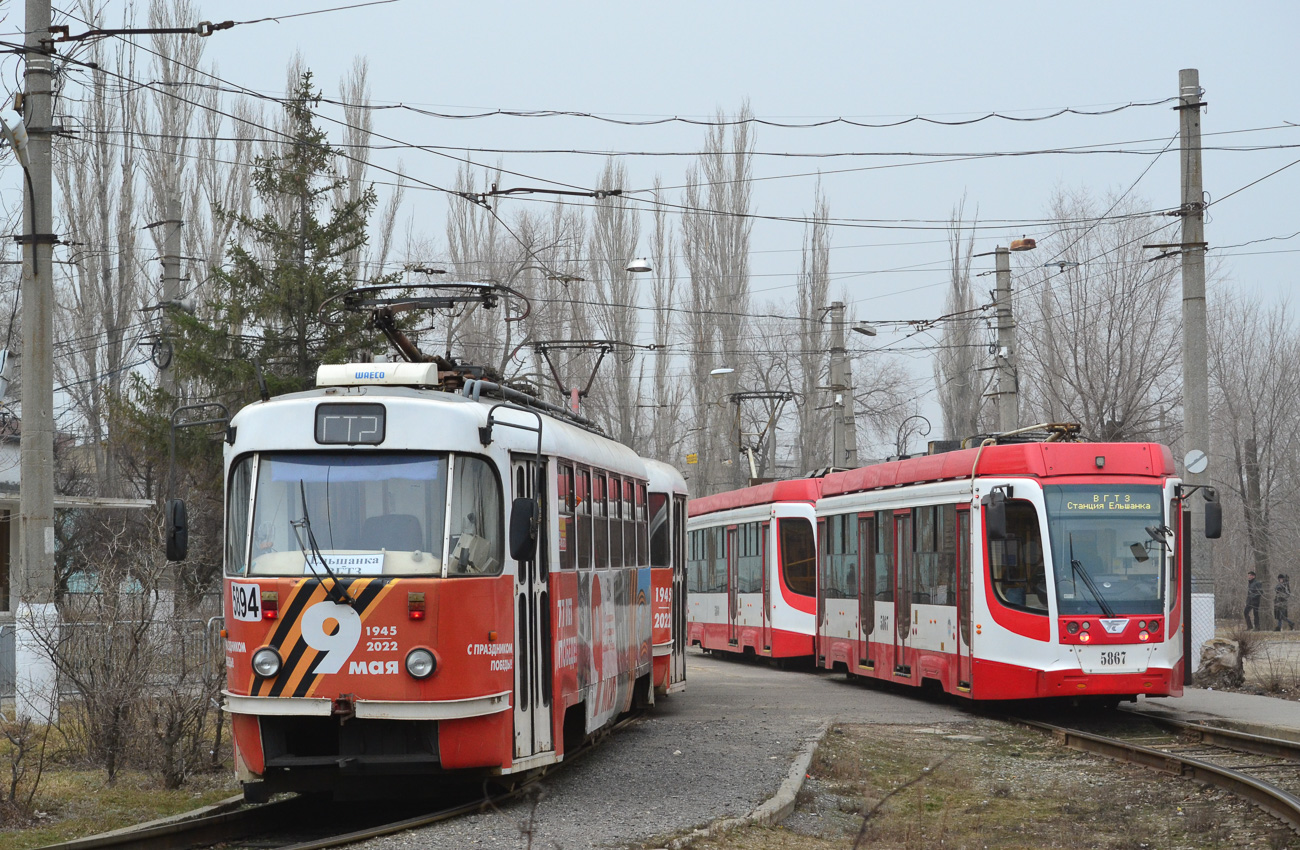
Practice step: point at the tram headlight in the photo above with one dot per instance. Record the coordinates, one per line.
(1143, 636)
(420, 663)
(1072, 627)
(1142, 624)
(267, 662)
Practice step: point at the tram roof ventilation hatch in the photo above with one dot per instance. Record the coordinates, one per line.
(377, 374)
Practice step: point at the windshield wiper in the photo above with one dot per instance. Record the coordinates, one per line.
(335, 592)
(1077, 568)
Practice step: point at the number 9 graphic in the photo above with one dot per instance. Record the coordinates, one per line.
(338, 646)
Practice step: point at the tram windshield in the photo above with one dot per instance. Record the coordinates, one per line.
(363, 514)
(1093, 529)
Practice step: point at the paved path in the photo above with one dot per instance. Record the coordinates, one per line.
(717, 750)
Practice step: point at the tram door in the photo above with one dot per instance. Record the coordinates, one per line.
(533, 639)
(763, 530)
(866, 587)
(733, 577)
(821, 631)
(679, 589)
(902, 591)
(965, 560)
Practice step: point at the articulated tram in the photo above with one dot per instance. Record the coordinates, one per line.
(1017, 571)
(752, 570)
(423, 583)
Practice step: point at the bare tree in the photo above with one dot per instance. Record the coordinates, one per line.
(1255, 379)
(813, 289)
(669, 394)
(613, 241)
(1099, 327)
(715, 243)
(101, 290)
(957, 359)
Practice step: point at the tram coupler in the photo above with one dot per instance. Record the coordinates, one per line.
(344, 707)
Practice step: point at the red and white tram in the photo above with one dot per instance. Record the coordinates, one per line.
(1018, 571)
(751, 570)
(383, 625)
(668, 505)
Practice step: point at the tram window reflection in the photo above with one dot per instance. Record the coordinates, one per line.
(798, 556)
(1016, 566)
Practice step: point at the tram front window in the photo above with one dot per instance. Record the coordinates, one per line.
(372, 513)
(1093, 529)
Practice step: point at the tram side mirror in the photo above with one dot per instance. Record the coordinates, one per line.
(177, 539)
(1213, 515)
(1139, 552)
(995, 515)
(523, 539)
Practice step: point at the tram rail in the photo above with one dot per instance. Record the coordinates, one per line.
(295, 815)
(1257, 768)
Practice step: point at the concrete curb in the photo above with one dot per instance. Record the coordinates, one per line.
(771, 812)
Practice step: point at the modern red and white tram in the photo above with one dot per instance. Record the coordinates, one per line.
(1019, 571)
(422, 583)
(751, 570)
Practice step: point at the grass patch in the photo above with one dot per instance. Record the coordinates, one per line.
(73, 803)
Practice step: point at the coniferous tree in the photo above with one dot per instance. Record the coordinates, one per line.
(283, 261)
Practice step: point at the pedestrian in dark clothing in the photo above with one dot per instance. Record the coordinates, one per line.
(1254, 593)
(1281, 596)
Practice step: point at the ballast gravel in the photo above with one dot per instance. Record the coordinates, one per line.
(718, 750)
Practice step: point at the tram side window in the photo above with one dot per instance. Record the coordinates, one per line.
(717, 560)
(844, 557)
(1016, 567)
(564, 500)
(241, 483)
(600, 520)
(749, 563)
(476, 519)
(944, 590)
(630, 553)
(884, 556)
(694, 562)
(642, 526)
(583, 508)
(798, 555)
(925, 560)
(660, 544)
(615, 521)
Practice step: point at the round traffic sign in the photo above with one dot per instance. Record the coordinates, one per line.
(1196, 461)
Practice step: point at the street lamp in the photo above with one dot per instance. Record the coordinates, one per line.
(640, 265)
(864, 329)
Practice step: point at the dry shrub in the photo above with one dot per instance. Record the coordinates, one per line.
(1249, 643)
(23, 758)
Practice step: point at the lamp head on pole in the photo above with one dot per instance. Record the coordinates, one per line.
(640, 265)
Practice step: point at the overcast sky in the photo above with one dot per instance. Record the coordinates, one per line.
(808, 61)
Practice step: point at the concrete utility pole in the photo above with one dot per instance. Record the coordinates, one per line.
(844, 429)
(1196, 382)
(34, 585)
(171, 291)
(1008, 394)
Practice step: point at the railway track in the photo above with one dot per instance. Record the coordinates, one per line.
(307, 823)
(1263, 770)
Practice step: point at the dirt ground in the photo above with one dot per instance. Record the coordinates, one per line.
(991, 785)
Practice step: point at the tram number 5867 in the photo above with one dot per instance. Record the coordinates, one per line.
(1112, 657)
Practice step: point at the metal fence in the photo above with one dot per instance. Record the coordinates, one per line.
(177, 649)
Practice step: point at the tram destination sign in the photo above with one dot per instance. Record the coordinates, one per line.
(350, 424)
(1110, 501)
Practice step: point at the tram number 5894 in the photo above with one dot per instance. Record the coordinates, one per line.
(246, 602)
(1112, 657)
